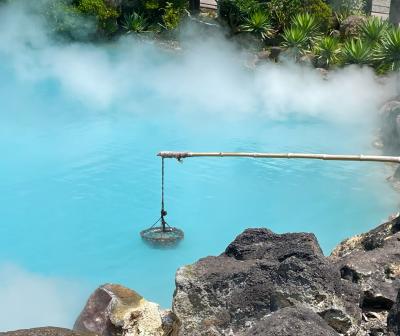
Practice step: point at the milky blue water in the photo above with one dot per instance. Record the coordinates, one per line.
(79, 183)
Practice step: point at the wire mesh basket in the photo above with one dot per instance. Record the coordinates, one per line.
(162, 236)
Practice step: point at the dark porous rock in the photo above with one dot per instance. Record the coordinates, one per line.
(394, 318)
(351, 26)
(113, 310)
(260, 273)
(291, 321)
(45, 331)
(372, 261)
(275, 52)
(390, 127)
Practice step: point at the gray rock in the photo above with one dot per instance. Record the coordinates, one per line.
(394, 318)
(372, 261)
(46, 331)
(113, 310)
(350, 27)
(292, 321)
(275, 53)
(390, 130)
(259, 273)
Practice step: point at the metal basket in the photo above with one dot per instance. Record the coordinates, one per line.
(162, 236)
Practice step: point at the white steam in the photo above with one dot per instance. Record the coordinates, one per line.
(31, 300)
(208, 75)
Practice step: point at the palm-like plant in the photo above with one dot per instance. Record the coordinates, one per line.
(327, 50)
(388, 52)
(135, 23)
(307, 23)
(296, 41)
(373, 30)
(258, 23)
(355, 51)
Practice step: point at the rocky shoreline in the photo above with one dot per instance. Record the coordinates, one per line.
(263, 284)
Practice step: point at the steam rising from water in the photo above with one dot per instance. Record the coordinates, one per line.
(208, 74)
(206, 78)
(31, 300)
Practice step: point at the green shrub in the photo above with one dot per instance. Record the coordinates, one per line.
(356, 51)
(135, 23)
(307, 23)
(388, 52)
(296, 41)
(104, 14)
(373, 30)
(283, 11)
(235, 12)
(171, 17)
(327, 51)
(258, 24)
(161, 13)
(350, 7)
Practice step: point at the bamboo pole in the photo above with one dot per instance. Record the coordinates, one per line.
(369, 158)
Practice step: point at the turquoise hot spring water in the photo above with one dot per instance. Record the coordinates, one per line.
(79, 182)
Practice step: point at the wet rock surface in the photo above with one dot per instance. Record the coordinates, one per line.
(291, 321)
(113, 310)
(394, 318)
(372, 262)
(45, 331)
(260, 273)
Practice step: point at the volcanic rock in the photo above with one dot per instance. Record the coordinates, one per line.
(292, 321)
(394, 318)
(350, 27)
(372, 261)
(260, 273)
(390, 131)
(113, 310)
(46, 331)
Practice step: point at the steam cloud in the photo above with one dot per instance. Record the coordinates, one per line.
(31, 300)
(208, 75)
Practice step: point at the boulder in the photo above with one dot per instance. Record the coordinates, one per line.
(372, 261)
(390, 127)
(46, 331)
(260, 273)
(350, 27)
(113, 310)
(291, 321)
(394, 318)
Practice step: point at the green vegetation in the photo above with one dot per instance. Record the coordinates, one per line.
(387, 54)
(299, 27)
(356, 51)
(311, 28)
(105, 16)
(134, 23)
(327, 51)
(282, 11)
(258, 23)
(296, 41)
(99, 19)
(373, 31)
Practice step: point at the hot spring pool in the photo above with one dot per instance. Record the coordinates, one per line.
(79, 181)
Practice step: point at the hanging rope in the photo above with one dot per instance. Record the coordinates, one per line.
(163, 234)
(163, 212)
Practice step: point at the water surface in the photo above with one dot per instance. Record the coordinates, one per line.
(79, 183)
